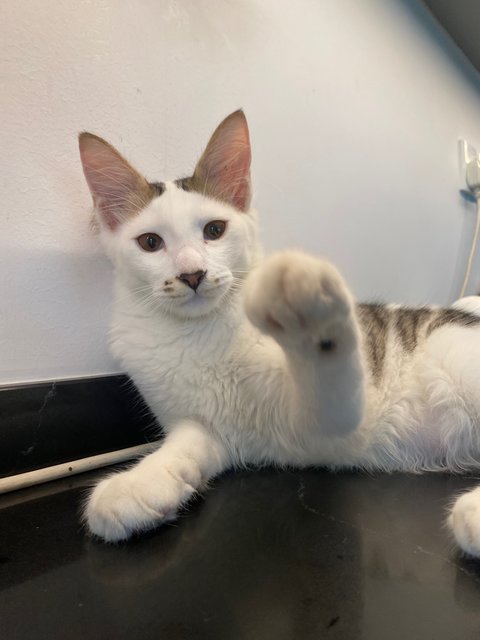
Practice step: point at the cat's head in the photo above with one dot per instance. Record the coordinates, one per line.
(182, 246)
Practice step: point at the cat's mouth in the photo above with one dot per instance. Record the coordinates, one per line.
(207, 290)
(205, 297)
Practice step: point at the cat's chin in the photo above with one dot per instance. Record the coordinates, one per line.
(198, 305)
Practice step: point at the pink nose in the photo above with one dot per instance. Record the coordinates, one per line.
(192, 280)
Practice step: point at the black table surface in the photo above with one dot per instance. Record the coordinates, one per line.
(264, 555)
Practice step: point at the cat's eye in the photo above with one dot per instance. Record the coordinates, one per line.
(214, 229)
(150, 242)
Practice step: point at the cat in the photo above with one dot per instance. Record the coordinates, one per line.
(252, 361)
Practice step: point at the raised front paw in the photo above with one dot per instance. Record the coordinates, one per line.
(131, 502)
(299, 299)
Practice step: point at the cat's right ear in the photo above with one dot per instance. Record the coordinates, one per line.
(117, 189)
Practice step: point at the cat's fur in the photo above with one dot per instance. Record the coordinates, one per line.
(266, 361)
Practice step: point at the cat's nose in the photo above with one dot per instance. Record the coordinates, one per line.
(192, 280)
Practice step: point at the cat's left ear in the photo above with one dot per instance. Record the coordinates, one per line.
(223, 171)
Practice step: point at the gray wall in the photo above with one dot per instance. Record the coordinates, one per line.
(355, 109)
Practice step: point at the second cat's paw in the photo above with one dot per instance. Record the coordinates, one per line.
(464, 521)
(130, 502)
(299, 299)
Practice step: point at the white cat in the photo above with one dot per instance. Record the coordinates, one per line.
(258, 362)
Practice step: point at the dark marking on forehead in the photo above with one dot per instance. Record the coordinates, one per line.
(194, 183)
(452, 316)
(158, 188)
(205, 187)
(408, 323)
(374, 320)
(184, 184)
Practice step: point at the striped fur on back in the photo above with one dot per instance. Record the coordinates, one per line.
(407, 325)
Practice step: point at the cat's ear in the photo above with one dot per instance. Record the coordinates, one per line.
(223, 171)
(117, 189)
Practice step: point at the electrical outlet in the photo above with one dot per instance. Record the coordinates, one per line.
(466, 153)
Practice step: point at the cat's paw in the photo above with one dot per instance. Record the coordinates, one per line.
(299, 299)
(464, 521)
(132, 502)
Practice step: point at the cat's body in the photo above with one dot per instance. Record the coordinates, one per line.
(223, 372)
(279, 366)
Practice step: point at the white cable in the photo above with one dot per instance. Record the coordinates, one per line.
(474, 246)
(30, 478)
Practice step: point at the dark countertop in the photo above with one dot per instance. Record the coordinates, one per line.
(267, 555)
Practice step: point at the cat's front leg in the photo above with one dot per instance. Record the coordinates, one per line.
(152, 491)
(305, 305)
(464, 522)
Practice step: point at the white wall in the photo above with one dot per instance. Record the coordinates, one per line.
(355, 109)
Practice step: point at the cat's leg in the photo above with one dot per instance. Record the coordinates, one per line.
(152, 491)
(464, 521)
(452, 378)
(305, 305)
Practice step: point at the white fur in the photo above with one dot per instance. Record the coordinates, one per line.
(235, 375)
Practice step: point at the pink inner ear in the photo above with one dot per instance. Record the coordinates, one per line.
(115, 186)
(225, 164)
(234, 174)
(241, 195)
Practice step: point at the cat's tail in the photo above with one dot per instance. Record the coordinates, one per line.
(470, 304)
